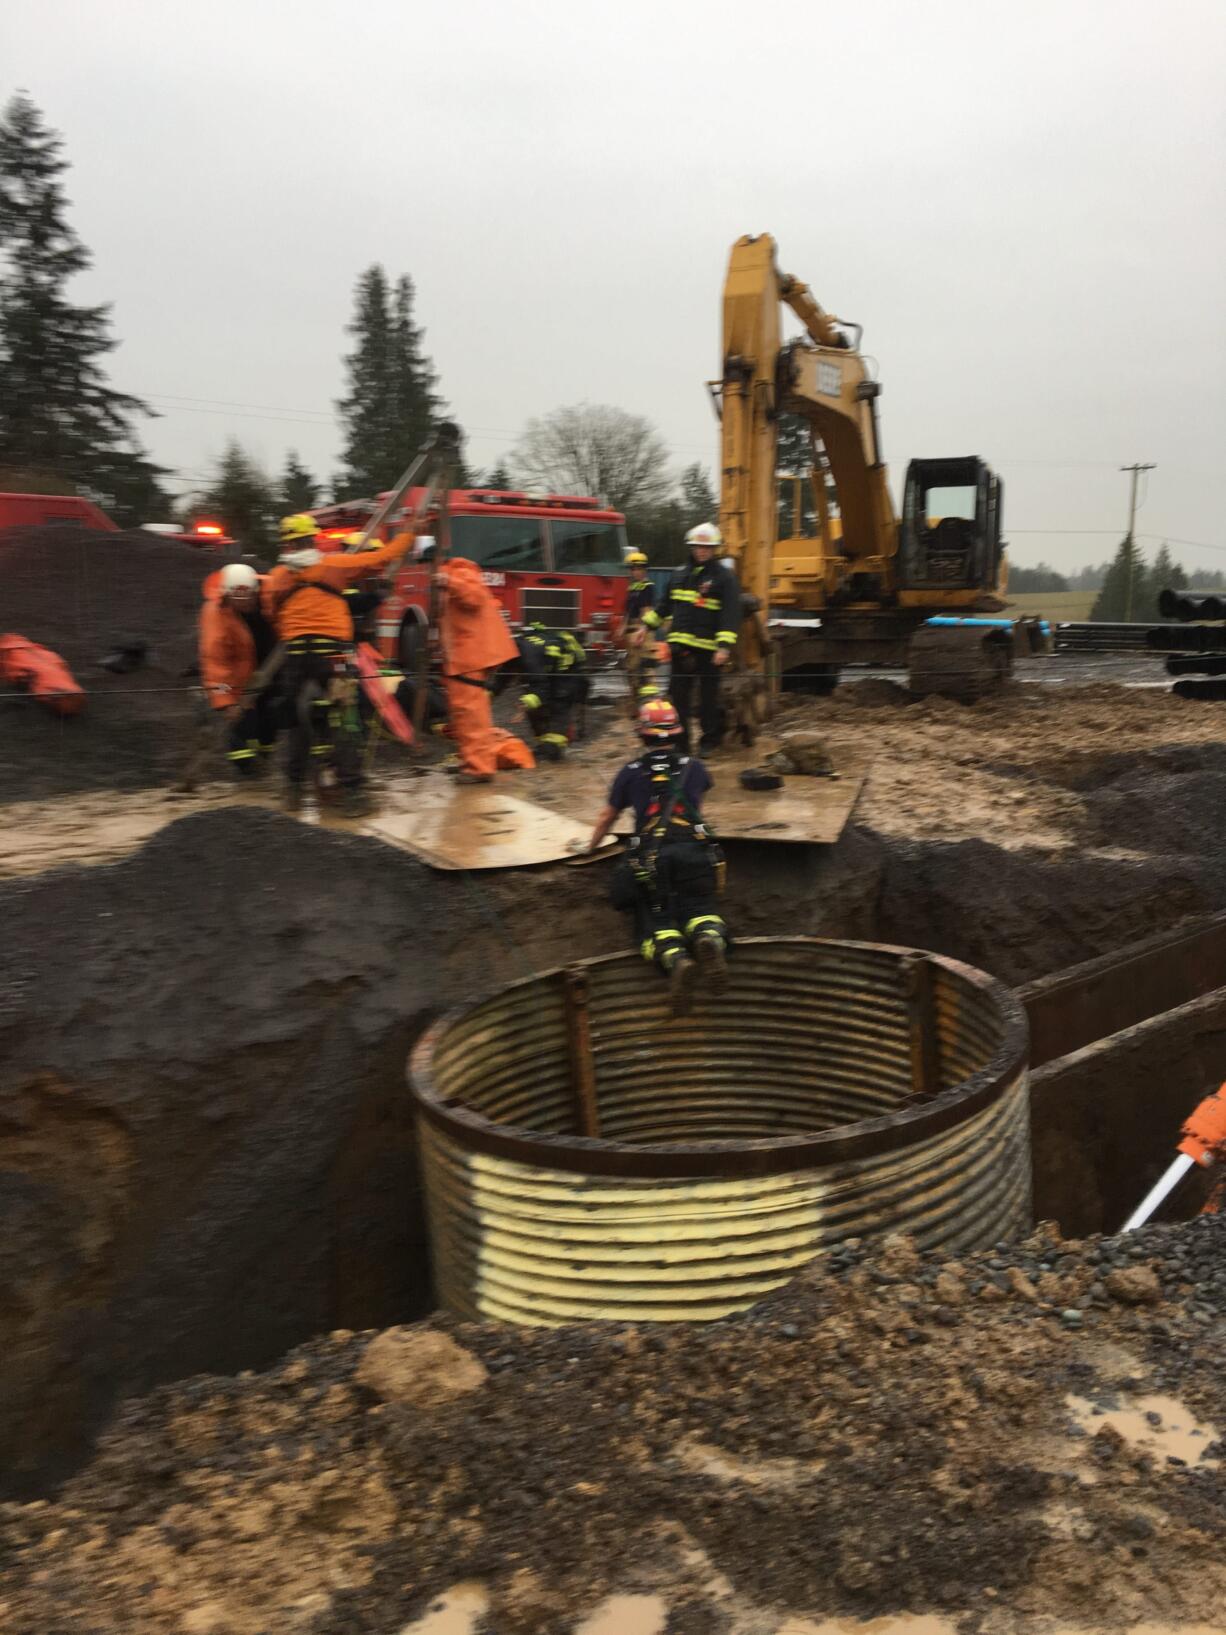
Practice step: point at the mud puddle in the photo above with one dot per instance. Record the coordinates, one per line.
(1155, 1424)
(458, 1612)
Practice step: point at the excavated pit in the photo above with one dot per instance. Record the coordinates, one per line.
(206, 1152)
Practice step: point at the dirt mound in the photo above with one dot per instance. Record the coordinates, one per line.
(1029, 1434)
(206, 1151)
(81, 593)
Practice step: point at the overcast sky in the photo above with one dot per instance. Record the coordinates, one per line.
(1023, 204)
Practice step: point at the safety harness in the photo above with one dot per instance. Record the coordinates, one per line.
(669, 808)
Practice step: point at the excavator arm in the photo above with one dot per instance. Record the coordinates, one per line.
(824, 380)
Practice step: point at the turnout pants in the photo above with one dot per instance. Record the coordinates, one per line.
(319, 696)
(251, 739)
(641, 675)
(561, 699)
(472, 723)
(694, 670)
(675, 905)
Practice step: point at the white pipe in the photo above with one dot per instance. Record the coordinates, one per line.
(1160, 1190)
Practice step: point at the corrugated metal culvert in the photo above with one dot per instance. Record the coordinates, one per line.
(588, 1156)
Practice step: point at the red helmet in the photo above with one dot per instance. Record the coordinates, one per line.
(659, 719)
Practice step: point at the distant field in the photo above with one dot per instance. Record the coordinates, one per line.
(1060, 606)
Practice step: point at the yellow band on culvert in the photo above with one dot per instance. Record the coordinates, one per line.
(735, 1145)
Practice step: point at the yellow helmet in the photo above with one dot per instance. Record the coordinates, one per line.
(299, 526)
(636, 559)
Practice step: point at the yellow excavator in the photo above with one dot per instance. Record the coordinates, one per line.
(860, 586)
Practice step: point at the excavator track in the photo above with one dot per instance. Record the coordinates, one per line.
(960, 663)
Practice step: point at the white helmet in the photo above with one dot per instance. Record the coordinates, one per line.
(423, 545)
(706, 533)
(238, 576)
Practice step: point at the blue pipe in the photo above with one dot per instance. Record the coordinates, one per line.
(987, 624)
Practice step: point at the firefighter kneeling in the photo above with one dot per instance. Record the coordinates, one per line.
(553, 664)
(673, 873)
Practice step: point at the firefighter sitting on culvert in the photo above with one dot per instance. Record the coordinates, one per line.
(673, 872)
(553, 672)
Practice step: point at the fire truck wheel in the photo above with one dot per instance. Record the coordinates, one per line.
(411, 637)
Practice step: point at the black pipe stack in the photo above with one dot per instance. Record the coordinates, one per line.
(1201, 645)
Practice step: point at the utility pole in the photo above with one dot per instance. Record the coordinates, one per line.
(1132, 549)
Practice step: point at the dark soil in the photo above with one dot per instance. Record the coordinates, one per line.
(81, 593)
(205, 1146)
(1021, 914)
(886, 1435)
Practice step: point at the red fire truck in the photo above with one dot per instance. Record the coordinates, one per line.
(554, 558)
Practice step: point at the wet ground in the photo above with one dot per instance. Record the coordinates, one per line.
(1026, 1440)
(206, 1160)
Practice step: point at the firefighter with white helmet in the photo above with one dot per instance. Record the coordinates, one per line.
(702, 612)
(235, 638)
(671, 876)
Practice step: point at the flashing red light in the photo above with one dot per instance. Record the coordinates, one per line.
(210, 528)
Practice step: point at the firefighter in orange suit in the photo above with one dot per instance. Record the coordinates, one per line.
(475, 641)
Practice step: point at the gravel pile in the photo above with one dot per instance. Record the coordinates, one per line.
(986, 1440)
(82, 594)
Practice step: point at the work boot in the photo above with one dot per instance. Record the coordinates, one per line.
(708, 746)
(291, 799)
(474, 777)
(710, 955)
(549, 752)
(355, 803)
(682, 976)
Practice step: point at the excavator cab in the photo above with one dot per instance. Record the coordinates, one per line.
(949, 538)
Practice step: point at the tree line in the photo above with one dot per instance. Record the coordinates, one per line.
(1128, 585)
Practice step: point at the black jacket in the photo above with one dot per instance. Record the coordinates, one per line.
(703, 600)
(546, 655)
(640, 599)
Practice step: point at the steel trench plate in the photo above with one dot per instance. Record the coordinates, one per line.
(809, 809)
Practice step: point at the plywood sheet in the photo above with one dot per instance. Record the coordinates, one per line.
(477, 827)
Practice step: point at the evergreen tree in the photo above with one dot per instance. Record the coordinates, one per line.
(391, 405)
(299, 490)
(365, 409)
(1124, 588)
(58, 415)
(1164, 574)
(415, 403)
(496, 477)
(243, 500)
